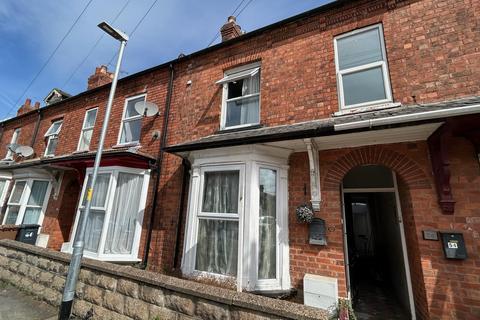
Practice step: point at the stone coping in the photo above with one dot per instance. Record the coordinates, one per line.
(220, 295)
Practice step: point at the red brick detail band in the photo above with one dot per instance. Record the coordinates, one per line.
(407, 169)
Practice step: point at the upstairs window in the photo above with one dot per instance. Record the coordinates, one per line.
(15, 135)
(362, 71)
(131, 121)
(52, 138)
(241, 97)
(87, 130)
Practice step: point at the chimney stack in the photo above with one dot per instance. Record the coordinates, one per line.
(230, 29)
(27, 107)
(100, 77)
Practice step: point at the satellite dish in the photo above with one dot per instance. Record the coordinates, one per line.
(146, 108)
(24, 151)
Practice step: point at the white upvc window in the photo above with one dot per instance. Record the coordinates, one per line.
(114, 225)
(237, 224)
(241, 97)
(87, 130)
(131, 127)
(362, 69)
(4, 184)
(52, 137)
(27, 202)
(13, 141)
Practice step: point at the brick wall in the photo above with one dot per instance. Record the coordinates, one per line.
(443, 289)
(111, 291)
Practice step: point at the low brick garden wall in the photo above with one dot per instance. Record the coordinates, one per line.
(112, 291)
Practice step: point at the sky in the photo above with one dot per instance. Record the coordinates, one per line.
(31, 30)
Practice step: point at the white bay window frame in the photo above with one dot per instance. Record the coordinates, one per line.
(381, 63)
(235, 74)
(7, 178)
(86, 129)
(23, 205)
(100, 254)
(126, 119)
(249, 160)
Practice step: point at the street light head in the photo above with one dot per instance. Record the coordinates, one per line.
(114, 33)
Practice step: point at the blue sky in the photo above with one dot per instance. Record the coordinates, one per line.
(30, 31)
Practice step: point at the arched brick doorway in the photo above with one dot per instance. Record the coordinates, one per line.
(410, 178)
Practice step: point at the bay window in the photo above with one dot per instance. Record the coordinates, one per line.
(241, 97)
(87, 130)
(27, 202)
(238, 221)
(115, 221)
(52, 137)
(362, 70)
(131, 121)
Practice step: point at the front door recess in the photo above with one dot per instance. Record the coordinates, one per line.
(378, 273)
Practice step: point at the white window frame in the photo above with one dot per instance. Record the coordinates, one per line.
(224, 82)
(100, 255)
(383, 64)
(16, 133)
(119, 143)
(85, 129)
(249, 159)
(23, 203)
(3, 193)
(51, 136)
(219, 216)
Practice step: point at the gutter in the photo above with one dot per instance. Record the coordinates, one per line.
(161, 154)
(426, 115)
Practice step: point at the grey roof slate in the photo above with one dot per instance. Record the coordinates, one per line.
(312, 128)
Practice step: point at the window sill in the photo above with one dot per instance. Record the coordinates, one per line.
(276, 294)
(66, 247)
(242, 128)
(369, 108)
(127, 145)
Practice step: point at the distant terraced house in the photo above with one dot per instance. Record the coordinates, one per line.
(334, 154)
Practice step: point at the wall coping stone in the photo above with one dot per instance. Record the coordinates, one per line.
(250, 301)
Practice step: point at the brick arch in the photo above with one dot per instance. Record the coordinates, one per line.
(407, 170)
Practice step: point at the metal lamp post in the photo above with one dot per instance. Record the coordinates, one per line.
(79, 242)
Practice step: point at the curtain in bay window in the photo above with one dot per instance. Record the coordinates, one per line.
(221, 192)
(93, 229)
(267, 225)
(217, 239)
(217, 246)
(121, 227)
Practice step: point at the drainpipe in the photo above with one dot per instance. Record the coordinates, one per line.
(181, 209)
(426, 115)
(160, 157)
(37, 126)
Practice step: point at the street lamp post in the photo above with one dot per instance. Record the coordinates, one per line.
(79, 242)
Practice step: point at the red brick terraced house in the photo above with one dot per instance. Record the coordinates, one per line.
(334, 154)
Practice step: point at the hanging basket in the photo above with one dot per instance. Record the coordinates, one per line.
(304, 213)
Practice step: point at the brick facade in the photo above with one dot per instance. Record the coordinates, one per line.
(432, 49)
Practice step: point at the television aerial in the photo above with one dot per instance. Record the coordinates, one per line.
(146, 108)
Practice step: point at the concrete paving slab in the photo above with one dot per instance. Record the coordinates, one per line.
(17, 305)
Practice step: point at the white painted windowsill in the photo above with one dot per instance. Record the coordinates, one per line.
(374, 107)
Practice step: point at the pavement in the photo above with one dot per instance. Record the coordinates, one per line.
(17, 305)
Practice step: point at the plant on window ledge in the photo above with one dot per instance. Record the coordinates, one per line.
(304, 213)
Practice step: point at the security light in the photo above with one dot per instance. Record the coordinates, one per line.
(115, 33)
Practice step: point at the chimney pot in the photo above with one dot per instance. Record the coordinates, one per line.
(37, 105)
(27, 107)
(230, 29)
